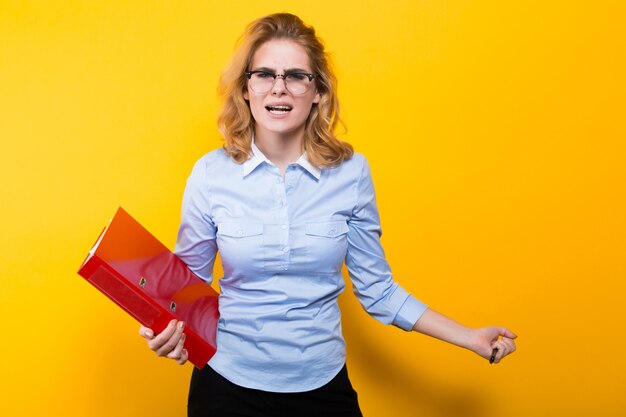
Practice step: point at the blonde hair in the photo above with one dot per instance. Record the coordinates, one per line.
(235, 121)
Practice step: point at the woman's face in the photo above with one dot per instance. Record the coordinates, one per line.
(278, 111)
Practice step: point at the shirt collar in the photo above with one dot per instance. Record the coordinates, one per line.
(255, 160)
(310, 168)
(258, 158)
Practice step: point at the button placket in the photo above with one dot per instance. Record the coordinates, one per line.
(285, 242)
(278, 224)
(283, 219)
(291, 178)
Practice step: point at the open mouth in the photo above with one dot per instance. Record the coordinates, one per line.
(278, 109)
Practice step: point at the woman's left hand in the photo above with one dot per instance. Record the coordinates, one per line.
(482, 341)
(486, 339)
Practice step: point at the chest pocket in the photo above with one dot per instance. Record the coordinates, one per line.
(240, 229)
(240, 246)
(327, 243)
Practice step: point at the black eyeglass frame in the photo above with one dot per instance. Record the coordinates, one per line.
(307, 74)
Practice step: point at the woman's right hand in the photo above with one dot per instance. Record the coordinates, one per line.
(170, 343)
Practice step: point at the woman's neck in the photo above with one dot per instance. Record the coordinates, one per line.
(282, 150)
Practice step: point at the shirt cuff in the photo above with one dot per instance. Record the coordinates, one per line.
(411, 310)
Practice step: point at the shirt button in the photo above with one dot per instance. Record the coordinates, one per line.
(286, 249)
(239, 232)
(285, 267)
(331, 232)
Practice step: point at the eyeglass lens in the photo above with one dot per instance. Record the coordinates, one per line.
(262, 82)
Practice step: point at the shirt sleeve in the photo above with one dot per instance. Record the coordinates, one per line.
(196, 244)
(369, 271)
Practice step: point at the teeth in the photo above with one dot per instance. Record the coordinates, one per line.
(278, 109)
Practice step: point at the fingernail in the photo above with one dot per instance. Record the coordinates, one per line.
(181, 324)
(149, 334)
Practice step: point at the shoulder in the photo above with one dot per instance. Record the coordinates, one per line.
(356, 161)
(214, 157)
(358, 158)
(356, 166)
(214, 161)
(207, 166)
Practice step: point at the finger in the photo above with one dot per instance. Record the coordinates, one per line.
(183, 357)
(502, 352)
(170, 344)
(178, 350)
(510, 344)
(160, 339)
(507, 333)
(146, 333)
(505, 348)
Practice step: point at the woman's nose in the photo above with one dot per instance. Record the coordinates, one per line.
(279, 86)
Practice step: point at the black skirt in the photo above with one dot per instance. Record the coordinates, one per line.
(212, 395)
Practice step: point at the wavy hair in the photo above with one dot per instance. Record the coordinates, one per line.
(235, 121)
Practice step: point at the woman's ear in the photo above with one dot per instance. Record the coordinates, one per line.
(318, 97)
(246, 95)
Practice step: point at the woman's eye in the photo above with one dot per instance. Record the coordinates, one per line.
(296, 76)
(264, 75)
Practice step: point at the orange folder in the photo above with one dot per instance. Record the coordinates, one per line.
(131, 267)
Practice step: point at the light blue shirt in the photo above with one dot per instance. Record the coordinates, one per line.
(282, 242)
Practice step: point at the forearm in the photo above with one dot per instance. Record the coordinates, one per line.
(437, 325)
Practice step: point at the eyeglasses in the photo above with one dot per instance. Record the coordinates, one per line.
(296, 83)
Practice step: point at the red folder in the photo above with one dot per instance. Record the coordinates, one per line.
(131, 267)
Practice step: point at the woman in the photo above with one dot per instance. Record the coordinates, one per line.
(286, 203)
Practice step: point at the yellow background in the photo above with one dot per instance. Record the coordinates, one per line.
(495, 131)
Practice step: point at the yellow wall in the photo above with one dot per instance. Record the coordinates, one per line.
(495, 131)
